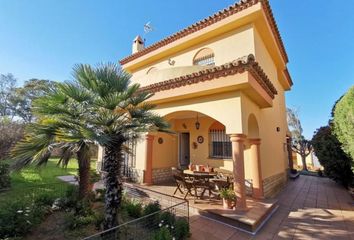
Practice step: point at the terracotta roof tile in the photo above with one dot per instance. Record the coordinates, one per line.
(233, 9)
(240, 65)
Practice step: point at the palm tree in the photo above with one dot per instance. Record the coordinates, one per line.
(117, 112)
(59, 126)
(102, 106)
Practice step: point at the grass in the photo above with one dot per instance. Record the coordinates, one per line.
(32, 180)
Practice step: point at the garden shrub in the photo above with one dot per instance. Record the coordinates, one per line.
(45, 199)
(336, 163)
(71, 196)
(167, 218)
(81, 215)
(83, 208)
(151, 208)
(76, 221)
(99, 219)
(181, 229)
(4, 176)
(134, 209)
(163, 234)
(19, 217)
(172, 227)
(343, 120)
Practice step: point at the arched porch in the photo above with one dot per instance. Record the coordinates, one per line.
(198, 139)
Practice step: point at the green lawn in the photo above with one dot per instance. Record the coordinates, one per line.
(33, 180)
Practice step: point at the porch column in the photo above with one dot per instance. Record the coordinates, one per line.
(237, 141)
(256, 168)
(148, 164)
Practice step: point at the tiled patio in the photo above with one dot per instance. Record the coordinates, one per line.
(251, 220)
(309, 208)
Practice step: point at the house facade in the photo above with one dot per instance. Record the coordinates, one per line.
(221, 85)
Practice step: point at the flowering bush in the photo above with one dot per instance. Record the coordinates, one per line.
(21, 215)
(172, 227)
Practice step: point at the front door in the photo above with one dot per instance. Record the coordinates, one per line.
(184, 158)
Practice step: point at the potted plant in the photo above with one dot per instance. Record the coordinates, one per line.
(228, 198)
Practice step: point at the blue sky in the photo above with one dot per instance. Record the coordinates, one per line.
(45, 38)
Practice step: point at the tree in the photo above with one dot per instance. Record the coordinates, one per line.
(102, 106)
(11, 132)
(344, 121)
(20, 101)
(299, 144)
(118, 112)
(60, 125)
(336, 163)
(7, 84)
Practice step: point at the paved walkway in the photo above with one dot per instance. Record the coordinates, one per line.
(309, 208)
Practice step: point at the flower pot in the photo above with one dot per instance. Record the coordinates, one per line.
(227, 203)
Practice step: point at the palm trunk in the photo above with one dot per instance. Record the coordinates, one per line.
(114, 187)
(83, 157)
(303, 159)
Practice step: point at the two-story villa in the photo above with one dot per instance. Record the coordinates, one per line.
(221, 84)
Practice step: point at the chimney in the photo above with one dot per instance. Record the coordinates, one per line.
(138, 44)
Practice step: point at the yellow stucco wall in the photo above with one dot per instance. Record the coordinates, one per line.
(273, 150)
(227, 47)
(224, 107)
(165, 154)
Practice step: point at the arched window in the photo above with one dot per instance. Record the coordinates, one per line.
(151, 70)
(205, 57)
(220, 144)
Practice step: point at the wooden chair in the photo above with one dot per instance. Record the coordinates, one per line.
(204, 184)
(182, 182)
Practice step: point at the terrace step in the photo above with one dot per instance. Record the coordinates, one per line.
(250, 220)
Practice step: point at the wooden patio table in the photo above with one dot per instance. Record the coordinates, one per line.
(200, 180)
(206, 175)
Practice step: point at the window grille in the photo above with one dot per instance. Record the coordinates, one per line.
(220, 144)
(207, 60)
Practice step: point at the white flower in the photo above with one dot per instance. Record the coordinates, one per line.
(19, 211)
(160, 225)
(162, 221)
(26, 214)
(167, 225)
(172, 227)
(173, 238)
